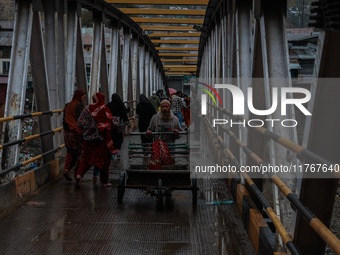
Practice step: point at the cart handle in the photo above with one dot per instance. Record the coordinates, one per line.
(160, 133)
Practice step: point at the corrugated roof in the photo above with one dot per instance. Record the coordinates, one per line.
(304, 30)
(301, 53)
(6, 38)
(88, 33)
(3, 79)
(294, 66)
(8, 25)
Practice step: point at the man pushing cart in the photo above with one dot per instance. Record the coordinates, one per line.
(154, 179)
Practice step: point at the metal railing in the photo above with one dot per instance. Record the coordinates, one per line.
(311, 219)
(34, 114)
(29, 138)
(290, 145)
(21, 164)
(287, 239)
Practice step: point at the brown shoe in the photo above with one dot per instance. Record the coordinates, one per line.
(67, 175)
(107, 185)
(78, 180)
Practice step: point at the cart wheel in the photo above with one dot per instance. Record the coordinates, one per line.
(194, 191)
(121, 187)
(160, 195)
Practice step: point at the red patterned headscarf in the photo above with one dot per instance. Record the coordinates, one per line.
(100, 112)
(103, 118)
(70, 110)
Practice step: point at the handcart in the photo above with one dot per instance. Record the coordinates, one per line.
(159, 183)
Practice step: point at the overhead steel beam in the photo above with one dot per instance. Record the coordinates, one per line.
(162, 11)
(167, 21)
(176, 49)
(170, 2)
(176, 41)
(178, 73)
(175, 35)
(181, 69)
(177, 54)
(167, 66)
(179, 60)
(173, 28)
(113, 13)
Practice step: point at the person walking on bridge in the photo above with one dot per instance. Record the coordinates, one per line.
(72, 133)
(145, 111)
(154, 99)
(119, 114)
(96, 123)
(177, 105)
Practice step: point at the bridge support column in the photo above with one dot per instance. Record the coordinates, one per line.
(104, 84)
(243, 55)
(323, 139)
(71, 50)
(61, 77)
(98, 63)
(135, 72)
(17, 81)
(80, 61)
(41, 84)
(126, 63)
(142, 68)
(50, 45)
(115, 74)
(147, 73)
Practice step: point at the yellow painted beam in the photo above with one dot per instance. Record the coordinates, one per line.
(179, 60)
(167, 21)
(176, 48)
(168, 28)
(169, 66)
(171, 2)
(175, 35)
(176, 41)
(177, 55)
(177, 74)
(181, 70)
(162, 11)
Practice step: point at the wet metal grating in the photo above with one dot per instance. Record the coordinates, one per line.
(90, 221)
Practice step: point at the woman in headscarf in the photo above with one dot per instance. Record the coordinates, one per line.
(145, 111)
(119, 113)
(72, 133)
(96, 121)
